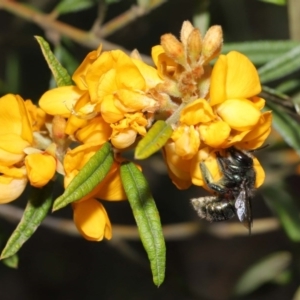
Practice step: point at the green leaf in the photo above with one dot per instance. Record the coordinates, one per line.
(277, 2)
(59, 73)
(67, 58)
(147, 218)
(39, 203)
(288, 128)
(69, 6)
(262, 272)
(281, 66)
(88, 177)
(285, 207)
(12, 261)
(154, 140)
(261, 52)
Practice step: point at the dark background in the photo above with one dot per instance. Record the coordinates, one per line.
(56, 266)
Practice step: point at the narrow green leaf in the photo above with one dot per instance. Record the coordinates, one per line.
(69, 6)
(277, 2)
(66, 58)
(154, 140)
(285, 207)
(147, 218)
(288, 128)
(88, 177)
(11, 261)
(39, 203)
(281, 66)
(261, 52)
(59, 73)
(262, 272)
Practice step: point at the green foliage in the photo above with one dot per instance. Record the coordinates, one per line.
(281, 66)
(147, 218)
(285, 208)
(277, 2)
(286, 126)
(261, 52)
(39, 203)
(59, 73)
(70, 6)
(265, 270)
(154, 140)
(11, 261)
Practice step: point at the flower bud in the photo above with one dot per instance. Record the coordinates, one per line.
(212, 43)
(194, 45)
(173, 48)
(185, 32)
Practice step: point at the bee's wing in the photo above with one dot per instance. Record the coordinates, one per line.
(243, 209)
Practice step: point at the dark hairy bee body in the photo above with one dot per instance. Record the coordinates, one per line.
(234, 191)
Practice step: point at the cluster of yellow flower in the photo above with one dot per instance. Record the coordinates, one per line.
(117, 98)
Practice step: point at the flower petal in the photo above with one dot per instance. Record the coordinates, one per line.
(257, 136)
(196, 112)
(233, 76)
(80, 73)
(96, 131)
(209, 158)
(109, 111)
(242, 79)
(14, 118)
(124, 139)
(177, 167)
(40, 168)
(91, 220)
(11, 188)
(214, 134)
(60, 101)
(239, 114)
(187, 141)
(218, 81)
(260, 173)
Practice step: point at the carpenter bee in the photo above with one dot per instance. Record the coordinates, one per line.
(234, 191)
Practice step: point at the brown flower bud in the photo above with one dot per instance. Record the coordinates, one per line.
(58, 129)
(212, 43)
(194, 45)
(173, 48)
(185, 32)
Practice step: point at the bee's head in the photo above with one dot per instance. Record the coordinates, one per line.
(240, 158)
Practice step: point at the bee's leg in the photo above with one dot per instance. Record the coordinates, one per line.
(214, 186)
(213, 209)
(227, 166)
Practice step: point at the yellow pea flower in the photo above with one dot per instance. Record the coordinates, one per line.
(91, 220)
(21, 151)
(40, 176)
(227, 114)
(233, 77)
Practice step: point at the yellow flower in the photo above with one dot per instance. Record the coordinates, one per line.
(111, 85)
(15, 130)
(40, 176)
(233, 77)
(91, 220)
(229, 114)
(90, 216)
(20, 154)
(15, 136)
